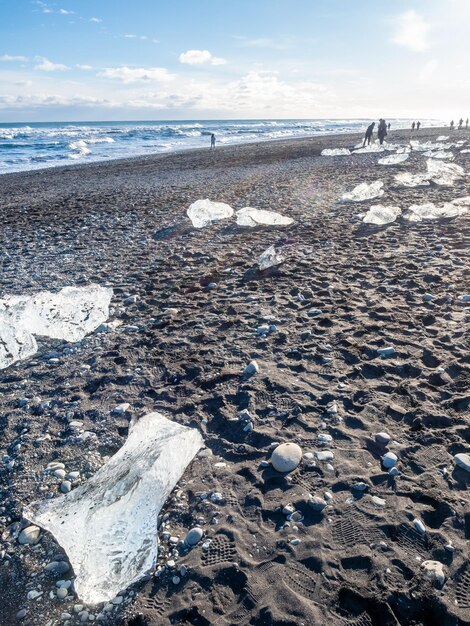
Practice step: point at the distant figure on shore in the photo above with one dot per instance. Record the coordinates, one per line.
(466, 123)
(452, 125)
(460, 123)
(368, 136)
(388, 126)
(212, 141)
(413, 126)
(418, 124)
(382, 130)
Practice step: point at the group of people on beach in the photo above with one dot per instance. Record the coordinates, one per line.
(416, 125)
(460, 126)
(382, 131)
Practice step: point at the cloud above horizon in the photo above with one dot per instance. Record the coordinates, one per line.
(412, 31)
(126, 74)
(200, 57)
(44, 65)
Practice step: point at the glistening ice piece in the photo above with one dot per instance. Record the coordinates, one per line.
(260, 217)
(108, 525)
(380, 215)
(203, 212)
(364, 191)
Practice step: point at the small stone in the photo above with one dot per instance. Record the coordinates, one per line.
(21, 614)
(117, 600)
(420, 527)
(324, 438)
(360, 486)
(314, 312)
(428, 297)
(286, 457)
(62, 593)
(385, 352)
(251, 369)
(176, 580)
(317, 504)
(120, 409)
(324, 455)
(29, 535)
(463, 461)
(59, 473)
(389, 460)
(378, 502)
(382, 438)
(66, 486)
(58, 567)
(33, 594)
(434, 571)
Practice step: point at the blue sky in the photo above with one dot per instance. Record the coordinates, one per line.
(214, 59)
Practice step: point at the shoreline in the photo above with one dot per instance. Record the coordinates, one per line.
(336, 137)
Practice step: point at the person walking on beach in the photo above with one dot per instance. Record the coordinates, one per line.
(382, 130)
(418, 125)
(460, 123)
(388, 127)
(212, 141)
(452, 125)
(466, 123)
(368, 136)
(413, 126)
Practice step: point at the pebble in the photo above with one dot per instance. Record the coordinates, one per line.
(385, 352)
(59, 473)
(318, 504)
(62, 593)
(389, 460)
(383, 438)
(428, 297)
(29, 535)
(435, 571)
(251, 369)
(324, 455)
(286, 457)
(420, 527)
(378, 502)
(360, 486)
(314, 312)
(120, 409)
(33, 594)
(58, 567)
(463, 461)
(176, 580)
(21, 614)
(324, 438)
(66, 486)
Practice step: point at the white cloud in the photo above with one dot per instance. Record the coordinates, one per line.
(11, 58)
(411, 31)
(83, 67)
(47, 66)
(96, 20)
(66, 12)
(265, 42)
(136, 74)
(200, 57)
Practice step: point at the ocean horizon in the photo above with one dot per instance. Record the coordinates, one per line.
(36, 145)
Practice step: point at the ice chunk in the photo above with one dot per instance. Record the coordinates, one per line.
(365, 191)
(259, 217)
(374, 147)
(429, 211)
(203, 212)
(16, 343)
(335, 152)
(394, 159)
(423, 147)
(439, 154)
(412, 180)
(442, 138)
(443, 173)
(69, 314)
(270, 258)
(380, 215)
(465, 201)
(466, 151)
(108, 525)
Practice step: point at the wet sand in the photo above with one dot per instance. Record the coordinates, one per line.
(124, 223)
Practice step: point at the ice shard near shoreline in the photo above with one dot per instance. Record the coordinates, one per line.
(108, 525)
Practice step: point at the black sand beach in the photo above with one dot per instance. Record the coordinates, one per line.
(181, 348)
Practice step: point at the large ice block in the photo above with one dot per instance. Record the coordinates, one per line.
(203, 212)
(394, 159)
(108, 525)
(380, 215)
(270, 258)
(336, 152)
(443, 173)
(412, 180)
(364, 191)
(429, 211)
(260, 217)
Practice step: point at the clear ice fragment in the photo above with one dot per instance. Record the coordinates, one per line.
(260, 217)
(16, 343)
(380, 215)
(393, 159)
(365, 191)
(203, 212)
(335, 152)
(270, 258)
(108, 525)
